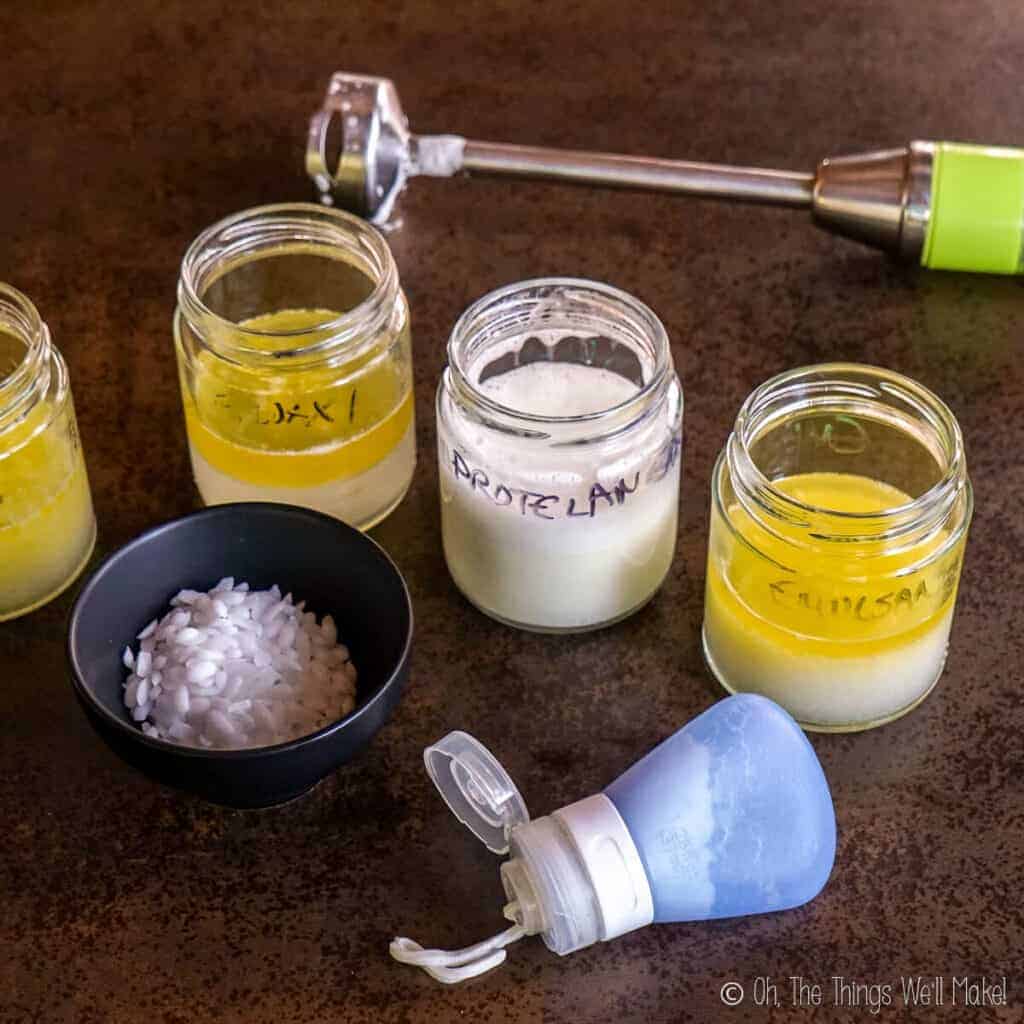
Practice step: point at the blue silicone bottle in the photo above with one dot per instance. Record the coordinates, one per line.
(729, 816)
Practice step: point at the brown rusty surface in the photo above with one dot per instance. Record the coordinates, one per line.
(127, 127)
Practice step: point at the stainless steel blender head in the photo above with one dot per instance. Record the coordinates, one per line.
(885, 198)
(373, 159)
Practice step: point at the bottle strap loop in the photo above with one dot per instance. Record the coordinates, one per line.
(452, 966)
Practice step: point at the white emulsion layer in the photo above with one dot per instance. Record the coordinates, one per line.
(361, 500)
(542, 567)
(819, 690)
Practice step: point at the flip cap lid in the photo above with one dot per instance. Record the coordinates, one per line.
(477, 789)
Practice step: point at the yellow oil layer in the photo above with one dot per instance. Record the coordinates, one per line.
(47, 526)
(300, 429)
(834, 598)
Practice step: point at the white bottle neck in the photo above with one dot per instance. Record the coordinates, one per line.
(612, 863)
(576, 877)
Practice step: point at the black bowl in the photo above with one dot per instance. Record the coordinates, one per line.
(333, 567)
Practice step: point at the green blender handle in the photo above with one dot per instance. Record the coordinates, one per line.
(977, 215)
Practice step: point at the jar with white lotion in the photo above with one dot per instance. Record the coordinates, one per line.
(559, 434)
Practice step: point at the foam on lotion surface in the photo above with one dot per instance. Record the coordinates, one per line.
(558, 389)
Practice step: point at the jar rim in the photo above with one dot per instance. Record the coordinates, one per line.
(468, 326)
(20, 387)
(19, 315)
(954, 537)
(750, 423)
(348, 325)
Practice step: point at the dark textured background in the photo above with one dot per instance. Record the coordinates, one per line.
(125, 127)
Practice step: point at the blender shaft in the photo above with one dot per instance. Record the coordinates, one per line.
(776, 188)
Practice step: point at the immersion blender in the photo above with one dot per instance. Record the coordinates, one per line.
(948, 205)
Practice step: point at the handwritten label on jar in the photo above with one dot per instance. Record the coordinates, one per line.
(800, 595)
(287, 411)
(537, 503)
(277, 413)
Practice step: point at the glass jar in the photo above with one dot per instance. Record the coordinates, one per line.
(559, 428)
(294, 351)
(47, 525)
(839, 512)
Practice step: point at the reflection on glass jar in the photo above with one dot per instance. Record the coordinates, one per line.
(293, 344)
(559, 419)
(47, 526)
(839, 513)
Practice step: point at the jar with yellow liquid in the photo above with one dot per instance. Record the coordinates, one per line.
(294, 351)
(47, 525)
(839, 512)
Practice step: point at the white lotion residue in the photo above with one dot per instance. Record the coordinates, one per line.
(362, 500)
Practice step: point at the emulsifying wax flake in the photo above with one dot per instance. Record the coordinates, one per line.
(237, 668)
